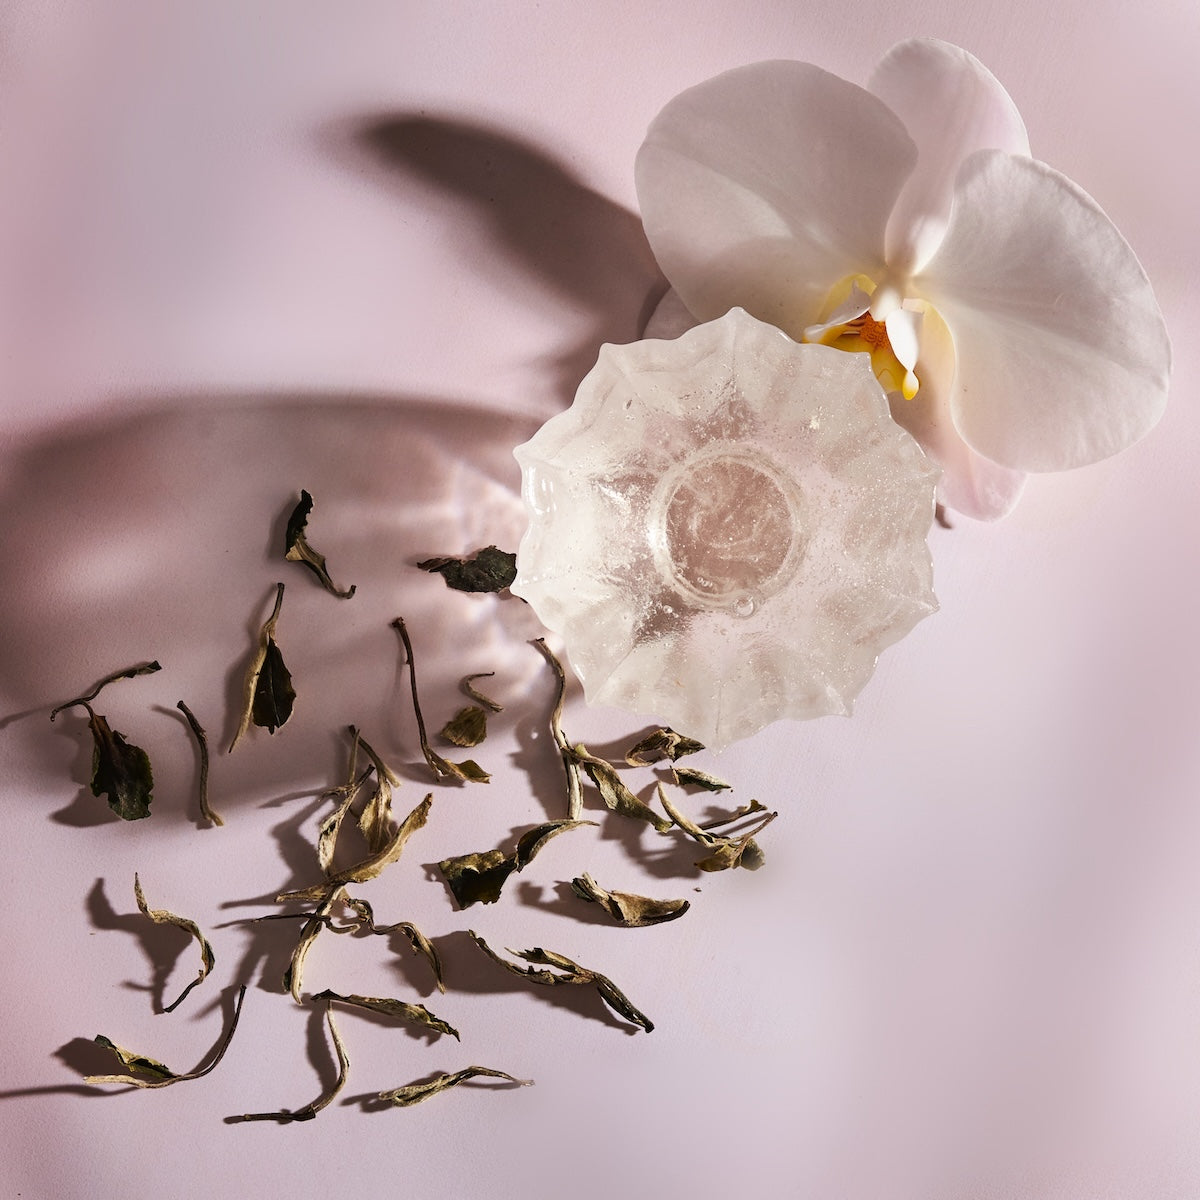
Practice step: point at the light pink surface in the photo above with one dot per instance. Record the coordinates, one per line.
(252, 248)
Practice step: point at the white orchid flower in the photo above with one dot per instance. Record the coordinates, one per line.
(1012, 325)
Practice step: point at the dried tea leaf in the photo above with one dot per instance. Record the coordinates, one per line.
(375, 820)
(370, 867)
(414, 1093)
(419, 942)
(614, 793)
(662, 743)
(570, 766)
(477, 696)
(129, 673)
(400, 1009)
(487, 570)
(441, 767)
(297, 549)
(738, 813)
(728, 850)
(269, 695)
(572, 973)
(478, 878)
(160, 916)
(202, 741)
(468, 727)
(153, 1074)
(120, 771)
(309, 1111)
(293, 977)
(690, 777)
(626, 908)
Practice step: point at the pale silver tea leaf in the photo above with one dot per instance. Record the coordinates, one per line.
(570, 766)
(400, 1009)
(627, 908)
(414, 1093)
(478, 696)
(467, 728)
(662, 743)
(160, 916)
(691, 777)
(613, 791)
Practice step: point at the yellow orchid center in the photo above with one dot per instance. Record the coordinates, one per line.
(863, 334)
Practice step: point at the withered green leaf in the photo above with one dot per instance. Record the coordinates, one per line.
(202, 742)
(478, 696)
(487, 570)
(414, 1093)
(572, 973)
(728, 850)
(478, 878)
(419, 942)
(570, 766)
(128, 673)
(662, 743)
(269, 695)
(150, 1073)
(309, 1111)
(442, 768)
(375, 820)
(120, 770)
(298, 550)
(160, 916)
(614, 793)
(627, 908)
(690, 777)
(400, 1009)
(468, 727)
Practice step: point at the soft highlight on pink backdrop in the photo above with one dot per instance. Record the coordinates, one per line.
(249, 249)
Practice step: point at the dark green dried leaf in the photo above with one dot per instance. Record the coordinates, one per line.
(400, 1009)
(269, 695)
(202, 742)
(487, 570)
(626, 908)
(414, 1093)
(468, 727)
(120, 771)
(160, 916)
(442, 768)
(572, 973)
(690, 777)
(153, 1074)
(298, 550)
(662, 743)
(570, 766)
(478, 878)
(309, 1111)
(614, 793)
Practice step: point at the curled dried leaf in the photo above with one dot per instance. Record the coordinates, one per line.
(419, 942)
(160, 916)
(468, 771)
(468, 727)
(400, 1009)
(375, 820)
(570, 972)
(297, 549)
(662, 743)
(626, 908)
(145, 1072)
(128, 673)
(414, 1093)
(269, 695)
(309, 1111)
(614, 793)
(478, 696)
(202, 743)
(690, 777)
(570, 766)
(478, 878)
(487, 570)
(320, 918)
(728, 850)
(120, 770)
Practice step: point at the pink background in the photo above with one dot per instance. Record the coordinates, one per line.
(366, 249)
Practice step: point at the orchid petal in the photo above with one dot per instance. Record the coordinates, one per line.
(851, 308)
(951, 105)
(670, 318)
(763, 186)
(970, 483)
(1062, 353)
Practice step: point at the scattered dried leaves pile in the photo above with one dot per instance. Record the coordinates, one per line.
(121, 772)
